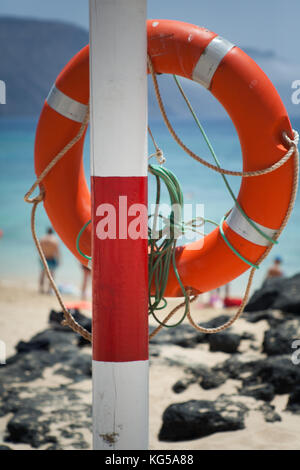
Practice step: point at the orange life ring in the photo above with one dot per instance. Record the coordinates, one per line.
(260, 119)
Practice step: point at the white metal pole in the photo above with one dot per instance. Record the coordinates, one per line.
(118, 83)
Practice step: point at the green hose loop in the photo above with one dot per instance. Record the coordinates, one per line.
(232, 248)
(78, 240)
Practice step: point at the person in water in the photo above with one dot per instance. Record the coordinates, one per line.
(275, 270)
(50, 246)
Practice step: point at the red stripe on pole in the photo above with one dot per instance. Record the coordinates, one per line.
(120, 271)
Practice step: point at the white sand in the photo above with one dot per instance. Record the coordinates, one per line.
(24, 312)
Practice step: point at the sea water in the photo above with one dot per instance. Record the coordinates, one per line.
(200, 185)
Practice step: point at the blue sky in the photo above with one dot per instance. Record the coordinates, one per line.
(262, 24)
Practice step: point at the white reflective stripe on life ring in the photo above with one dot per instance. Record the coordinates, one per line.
(210, 60)
(66, 106)
(242, 227)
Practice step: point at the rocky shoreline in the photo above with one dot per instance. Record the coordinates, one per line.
(57, 414)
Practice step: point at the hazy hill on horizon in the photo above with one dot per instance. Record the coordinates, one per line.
(33, 52)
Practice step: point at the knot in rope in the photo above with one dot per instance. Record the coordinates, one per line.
(293, 143)
(160, 156)
(37, 199)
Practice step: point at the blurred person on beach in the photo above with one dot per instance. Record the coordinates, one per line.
(86, 274)
(50, 246)
(215, 300)
(275, 270)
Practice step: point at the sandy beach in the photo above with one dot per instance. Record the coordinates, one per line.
(24, 313)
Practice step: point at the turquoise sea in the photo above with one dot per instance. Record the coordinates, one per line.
(19, 259)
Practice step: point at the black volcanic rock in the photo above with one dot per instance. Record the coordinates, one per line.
(206, 377)
(278, 340)
(56, 416)
(259, 391)
(293, 403)
(45, 411)
(33, 53)
(78, 368)
(25, 426)
(269, 413)
(273, 317)
(224, 341)
(237, 365)
(58, 347)
(181, 385)
(56, 318)
(183, 335)
(216, 321)
(199, 418)
(279, 371)
(213, 379)
(278, 294)
(255, 372)
(186, 336)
